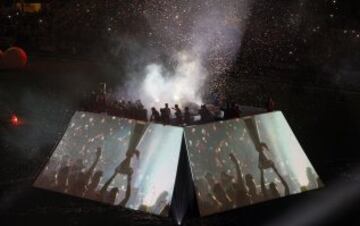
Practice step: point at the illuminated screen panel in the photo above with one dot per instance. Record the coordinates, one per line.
(91, 150)
(153, 180)
(116, 161)
(245, 161)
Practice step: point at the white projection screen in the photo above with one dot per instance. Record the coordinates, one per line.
(244, 161)
(116, 161)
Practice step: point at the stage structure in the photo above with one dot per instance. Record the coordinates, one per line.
(178, 171)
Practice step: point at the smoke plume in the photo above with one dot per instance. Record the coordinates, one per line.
(199, 37)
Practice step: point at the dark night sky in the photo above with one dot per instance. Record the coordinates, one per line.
(295, 32)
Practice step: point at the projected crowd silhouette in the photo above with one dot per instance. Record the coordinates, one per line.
(104, 158)
(229, 191)
(241, 190)
(227, 178)
(99, 159)
(76, 180)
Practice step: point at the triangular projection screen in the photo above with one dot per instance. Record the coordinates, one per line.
(116, 161)
(134, 164)
(244, 161)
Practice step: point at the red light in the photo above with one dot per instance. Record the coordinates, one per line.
(15, 121)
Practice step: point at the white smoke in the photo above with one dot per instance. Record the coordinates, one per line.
(212, 31)
(182, 86)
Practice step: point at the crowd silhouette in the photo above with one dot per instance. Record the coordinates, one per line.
(227, 192)
(75, 179)
(213, 194)
(216, 190)
(226, 179)
(104, 101)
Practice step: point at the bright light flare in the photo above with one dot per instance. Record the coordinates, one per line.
(15, 120)
(182, 86)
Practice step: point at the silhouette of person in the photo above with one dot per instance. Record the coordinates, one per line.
(205, 114)
(242, 196)
(229, 187)
(144, 115)
(187, 116)
(129, 110)
(221, 195)
(178, 115)
(155, 115)
(162, 115)
(125, 169)
(167, 114)
(237, 111)
(75, 173)
(264, 159)
(226, 110)
(266, 163)
(252, 191)
(274, 191)
(226, 180)
(271, 192)
(128, 191)
(91, 189)
(270, 106)
(80, 180)
(206, 200)
(232, 110)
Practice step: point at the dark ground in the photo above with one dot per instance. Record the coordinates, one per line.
(325, 119)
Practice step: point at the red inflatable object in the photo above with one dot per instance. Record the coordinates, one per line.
(14, 57)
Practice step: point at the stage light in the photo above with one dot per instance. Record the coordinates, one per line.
(178, 221)
(15, 121)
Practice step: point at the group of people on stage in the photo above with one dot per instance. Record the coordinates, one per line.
(105, 101)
